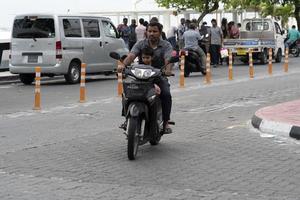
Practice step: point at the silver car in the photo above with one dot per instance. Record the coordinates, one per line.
(60, 43)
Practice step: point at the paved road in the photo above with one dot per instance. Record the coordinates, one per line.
(73, 151)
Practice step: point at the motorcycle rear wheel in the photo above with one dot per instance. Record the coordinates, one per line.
(295, 51)
(133, 130)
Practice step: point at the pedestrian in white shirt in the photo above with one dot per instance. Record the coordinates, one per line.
(181, 29)
(172, 32)
(140, 30)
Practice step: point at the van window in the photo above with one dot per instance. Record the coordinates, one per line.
(91, 28)
(277, 28)
(109, 29)
(72, 27)
(257, 26)
(33, 27)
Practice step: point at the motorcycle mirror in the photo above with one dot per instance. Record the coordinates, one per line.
(174, 59)
(115, 55)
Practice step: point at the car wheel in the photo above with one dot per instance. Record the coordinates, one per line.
(73, 75)
(27, 79)
(278, 56)
(264, 57)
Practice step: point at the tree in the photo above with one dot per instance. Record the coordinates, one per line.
(275, 8)
(277, 11)
(203, 6)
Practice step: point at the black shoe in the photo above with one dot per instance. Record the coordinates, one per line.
(168, 130)
(123, 126)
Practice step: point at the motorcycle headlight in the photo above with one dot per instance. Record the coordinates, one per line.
(142, 73)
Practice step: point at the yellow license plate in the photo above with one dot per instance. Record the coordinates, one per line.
(241, 52)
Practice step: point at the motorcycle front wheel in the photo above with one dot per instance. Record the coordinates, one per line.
(133, 130)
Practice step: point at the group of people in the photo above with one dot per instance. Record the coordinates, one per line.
(186, 35)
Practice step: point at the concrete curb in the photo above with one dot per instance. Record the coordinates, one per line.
(275, 127)
(7, 76)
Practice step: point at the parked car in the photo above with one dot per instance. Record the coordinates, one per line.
(4, 49)
(60, 43)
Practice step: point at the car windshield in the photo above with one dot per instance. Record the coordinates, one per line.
(33, 28)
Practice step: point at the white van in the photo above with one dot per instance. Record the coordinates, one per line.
(60, 43)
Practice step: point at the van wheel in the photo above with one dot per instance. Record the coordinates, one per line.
(264, 57)
(278, 56)
(73, 75)
(27, 79)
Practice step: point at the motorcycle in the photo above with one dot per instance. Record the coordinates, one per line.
(295, 48)
(142, 105)
(193, 61)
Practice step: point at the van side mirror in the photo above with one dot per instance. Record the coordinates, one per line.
(282, 32)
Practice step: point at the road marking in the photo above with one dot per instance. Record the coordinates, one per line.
(237, 126)
(221, 107)
(5, 87)
(58, 108)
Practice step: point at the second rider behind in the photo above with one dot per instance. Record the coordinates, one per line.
(162, 52)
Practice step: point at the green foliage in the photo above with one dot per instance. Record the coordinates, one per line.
(274, 8)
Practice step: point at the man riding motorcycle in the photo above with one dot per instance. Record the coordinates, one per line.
(293, 35)
(191, 38)
(161, 56)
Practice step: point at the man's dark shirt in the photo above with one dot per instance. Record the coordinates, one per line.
(161, 53)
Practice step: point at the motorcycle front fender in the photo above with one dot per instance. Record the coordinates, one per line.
(137, 109)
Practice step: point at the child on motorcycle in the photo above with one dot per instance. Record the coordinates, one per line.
(147, 55)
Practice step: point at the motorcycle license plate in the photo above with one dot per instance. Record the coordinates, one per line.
(241, 52)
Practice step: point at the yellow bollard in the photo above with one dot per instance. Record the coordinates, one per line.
(251, 68)
(208, 71)
(286, 60)
(37, 98)
(82, 83)
(270, 68)
(230, 69)
(182, 63)
(120, 81)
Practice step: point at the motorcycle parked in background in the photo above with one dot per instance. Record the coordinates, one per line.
(142, 105)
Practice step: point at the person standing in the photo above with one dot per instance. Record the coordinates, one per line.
(172, 32)
(140, 30)
(216, 41)
(224, 27)
(181, 29)
(233, 31)
(124, 31)
(132, 35)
